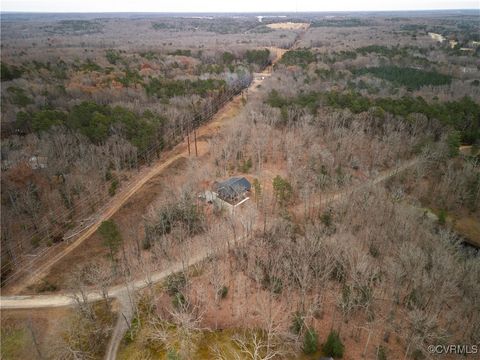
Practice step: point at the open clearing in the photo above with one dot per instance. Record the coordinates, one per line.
(289, 26)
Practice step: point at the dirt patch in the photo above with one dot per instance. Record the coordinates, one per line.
(469, 227)
(289, 26)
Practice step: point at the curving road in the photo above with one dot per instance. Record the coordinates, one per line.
(120, 292)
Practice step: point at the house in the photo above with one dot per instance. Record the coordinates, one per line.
(233, 190)
(228, 194)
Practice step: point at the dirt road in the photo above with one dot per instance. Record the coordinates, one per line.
(39, 301)
(228, 111)
(121, 292)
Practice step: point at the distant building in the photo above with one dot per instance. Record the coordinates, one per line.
(437, 37)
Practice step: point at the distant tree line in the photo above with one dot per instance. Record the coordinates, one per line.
(349, 22)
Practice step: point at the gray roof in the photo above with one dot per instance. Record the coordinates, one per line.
(233, 187)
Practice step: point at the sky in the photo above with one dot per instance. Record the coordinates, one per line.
(230, 5)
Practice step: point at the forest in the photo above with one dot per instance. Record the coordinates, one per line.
(356, 236)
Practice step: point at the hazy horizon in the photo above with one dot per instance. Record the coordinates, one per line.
(216, 6)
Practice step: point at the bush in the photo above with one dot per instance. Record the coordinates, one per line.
(298, 57)
(283, 190)
(382, 353)
(19, 96)
(166, 218)
(175, 283)
(334, 346)
(259, 57)
(417, 354)
(46, 286)
(297, 323)
(111, 236)
(9, 72)
(179, 300)
(442, 217)
(326, 218)
(112, 56)
(173, 355)
(246, 166)
(454, 141)
(228, 58)
(223, 291)
(113, 187)
(310, 342)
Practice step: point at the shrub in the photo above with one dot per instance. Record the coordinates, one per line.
(298, 57)
(46, 286)
(276, 285)
(246, 166)
(382, 353)
(35, 241)
(417, 354)
(442, 217)
(310, 342)
(259, 57)
(373, 250)
(185, 213)
(223, 291)
(113, 187)
(9, 72)
(179, 300)
(334, 346)
(227, 57)
(19, 96)
(112, 56)
(297, 323)
(326, 218)
(175, 283)
(283, 190)
(173, 355)
(111, 236)
(454, 141)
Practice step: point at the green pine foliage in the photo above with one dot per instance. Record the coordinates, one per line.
(310, 342)
(298, 57)
(404, 76)
(462, 115)
(333, 346)
(283, 190)
(163, 88)
(97, 122)
(259, 57)
(113, 56)
(112, 239)
(19, 96)
(9, 72)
